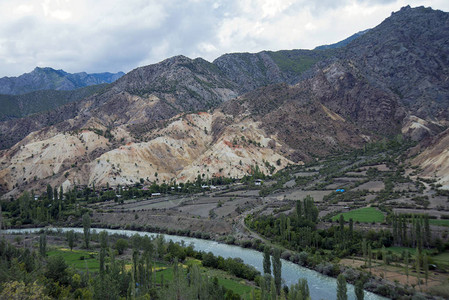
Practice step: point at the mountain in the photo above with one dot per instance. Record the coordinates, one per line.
(408, 55)
(343, 42)
(50, 79)
(183, 117)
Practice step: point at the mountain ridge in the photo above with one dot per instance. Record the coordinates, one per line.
(50, 79)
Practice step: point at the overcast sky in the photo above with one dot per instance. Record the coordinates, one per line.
(120, 35)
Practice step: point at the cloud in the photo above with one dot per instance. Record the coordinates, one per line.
(103, 35)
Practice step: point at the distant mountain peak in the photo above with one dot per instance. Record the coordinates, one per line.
(46, 78)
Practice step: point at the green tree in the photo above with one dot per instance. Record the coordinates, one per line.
(86, 229)
(104, 239)
(425, 265)
(49, 192)
(43, 244)
(359, 294)
(273, 292)
(57, 269)
(341, 288)
(266, 260)
(71, 239)
(121, 245)
(406, 258)
(277, 269)
(61, 193)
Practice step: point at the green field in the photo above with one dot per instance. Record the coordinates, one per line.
(363, 215)
(439, 222)
(73, 258)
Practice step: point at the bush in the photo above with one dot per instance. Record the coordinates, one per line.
(325, 268)
(302, 258)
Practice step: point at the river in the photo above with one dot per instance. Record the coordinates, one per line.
(321, 286)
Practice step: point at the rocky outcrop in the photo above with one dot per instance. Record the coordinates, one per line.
(433, 158)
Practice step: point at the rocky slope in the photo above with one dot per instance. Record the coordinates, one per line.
(433, 159)
(51, 79)
(408, 55)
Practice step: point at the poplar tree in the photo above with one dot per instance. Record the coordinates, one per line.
(369, 257)
(273, 292)
(61, 193)
(277, 266)
(49, 192)
(359, 294)
(427, 232)
(341, 288)
(425, 265)
(364, 250)
(71, 239)
(266, 260)
(407, 257)
(43, 244)
(86, 229)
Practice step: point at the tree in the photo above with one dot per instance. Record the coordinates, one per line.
(121, 245)
(370, 255)
(277, 269)
(266, 260)
(359, 294)
(104, 239)
(425, 265)
(351, 227)
(407, 256)
(364, 249)
(57, 269)
(71, 239)
(49, 192)
(55, 194)
(341, 288)
(61, 193)
(86, 229)
(20, 290)
(43, 244)
(341, 221)
(273, 289)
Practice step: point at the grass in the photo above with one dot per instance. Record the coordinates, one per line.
(363, 215)
(73, 258)
(399, 250)
(441, 259)
(234, 285)
(439, 222)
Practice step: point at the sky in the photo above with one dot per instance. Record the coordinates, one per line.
(120, 35)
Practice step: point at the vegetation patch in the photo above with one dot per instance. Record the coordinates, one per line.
(363, 215)
(80, 259)
(439, 222)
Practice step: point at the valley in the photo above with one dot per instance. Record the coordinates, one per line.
(334, 159)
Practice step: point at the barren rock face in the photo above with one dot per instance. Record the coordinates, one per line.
(434, 159)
